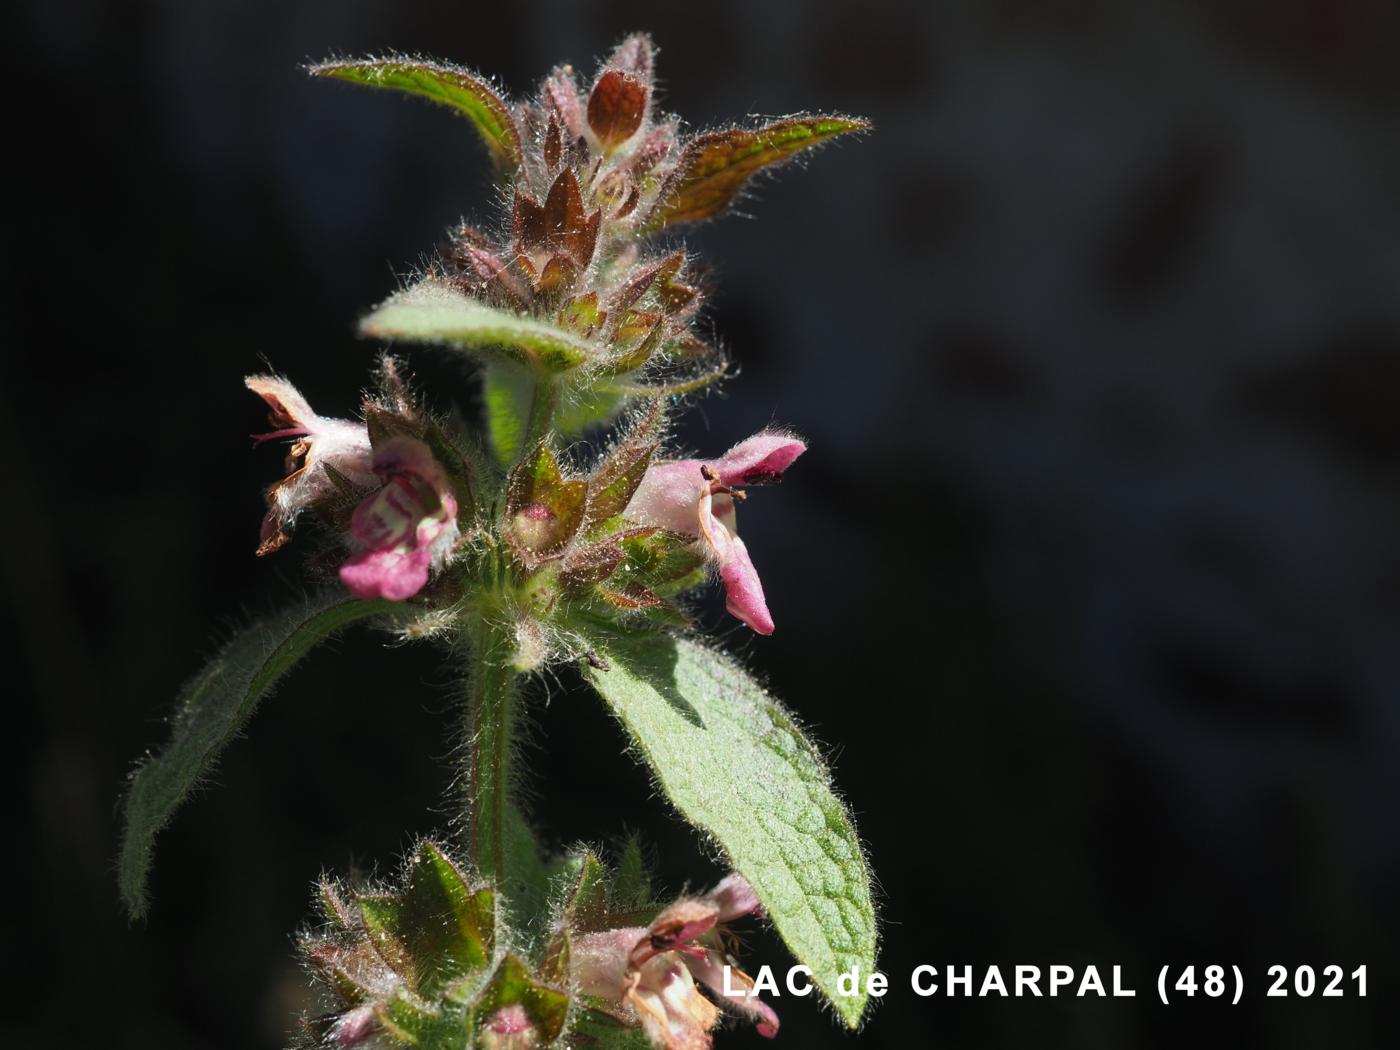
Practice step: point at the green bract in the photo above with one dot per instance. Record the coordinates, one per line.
(434, 312)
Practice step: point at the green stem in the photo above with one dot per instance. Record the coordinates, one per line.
(491, 717)
(491, 713)
(542, 405)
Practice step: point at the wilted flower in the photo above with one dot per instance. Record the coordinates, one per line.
(696, 497)
(326, 455)
(407, 527)
(650, 971)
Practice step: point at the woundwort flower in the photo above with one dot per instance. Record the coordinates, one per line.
(650, 971)
(696, 497)
(406, 528)
(323, 449)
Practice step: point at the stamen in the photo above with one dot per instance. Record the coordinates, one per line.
(272, 435)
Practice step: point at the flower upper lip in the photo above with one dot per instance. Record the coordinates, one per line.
(324, 445)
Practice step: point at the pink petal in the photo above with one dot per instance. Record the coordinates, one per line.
(711, 972)
(388, 517)
(743, 593)
(759, 459)
(599, 960)
(668, 495)
(733, 898)
(392, 575)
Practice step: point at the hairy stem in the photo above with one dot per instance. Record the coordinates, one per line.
(491, 715)
(542, 405)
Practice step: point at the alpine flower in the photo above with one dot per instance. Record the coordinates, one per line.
(406, 528)
(649, 972)
(697, 497)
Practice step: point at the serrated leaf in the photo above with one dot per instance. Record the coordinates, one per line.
(433, 311)
(714, 166)
(737, 766)
(447, 85)
(213, 709)
(437, 930)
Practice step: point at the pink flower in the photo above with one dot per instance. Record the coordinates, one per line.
(323, 449)
(407, 527)
(696, 497)
(650, 971)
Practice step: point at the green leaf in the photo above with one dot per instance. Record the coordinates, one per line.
(433, 311)
(437, 930)
(212, 710)
(715, 166)
(737, 766)
(447, 85)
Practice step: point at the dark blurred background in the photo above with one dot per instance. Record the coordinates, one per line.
(1090, 582)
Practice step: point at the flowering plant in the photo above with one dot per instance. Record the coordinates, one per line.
(523, 550)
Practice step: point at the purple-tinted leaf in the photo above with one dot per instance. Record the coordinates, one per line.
(715, 166)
